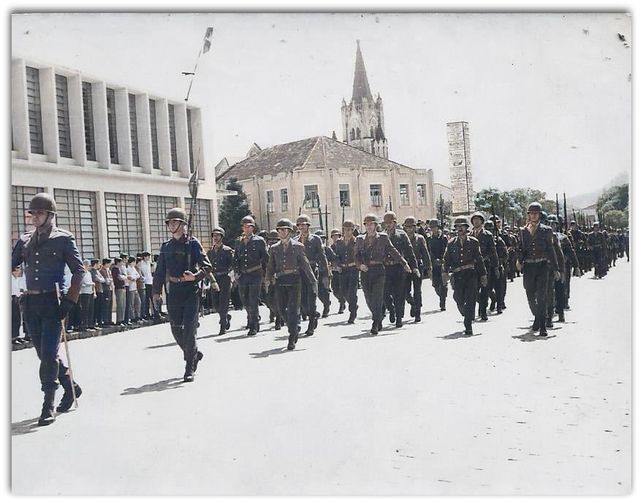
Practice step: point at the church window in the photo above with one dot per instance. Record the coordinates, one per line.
(422, 194)
(358, 133)
(345, 200)
(404, 195)
(375, 192)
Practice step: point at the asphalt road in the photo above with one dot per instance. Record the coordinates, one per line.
(416, 410)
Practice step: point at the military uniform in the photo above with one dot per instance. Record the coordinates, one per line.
(45, 252)
(323, 291)
(286, 266)
(336, 275)
(490, 257)
(555, 291)
(437, 245)
(538, 258)
(250, 261)
(597, 243)
(396, 277)
(463, 260)
(183, 297)
(423, 260)
(498, 293)
(570, 260)
(372, 251)
(345, 251)
(221, 259)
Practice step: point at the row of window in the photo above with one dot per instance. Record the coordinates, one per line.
(77, 212)
(311, 198)
(34, 106)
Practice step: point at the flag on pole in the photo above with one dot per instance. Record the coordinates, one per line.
(207, 40)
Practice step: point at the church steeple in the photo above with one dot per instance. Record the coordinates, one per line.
(363, 117)
(360, 81)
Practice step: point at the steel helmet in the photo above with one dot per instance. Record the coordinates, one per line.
(42, 202)
(248, 220)
(303, 219)
(177, 213)
(284, 223)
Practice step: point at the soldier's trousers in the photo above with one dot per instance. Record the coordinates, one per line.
(336, 286)
(551, 294)
(499, 290)
(373, 288)
(349, 286)
(535, 281)
(107, 306)
(42, 313)
(567, 282)
(415, 299)
(395, 289)
(249, 287)
(560, 296)
(323, 294)
(483, 296)
(440, 287)
(288, 300)
(221, 298)
(308, 299)
(183, 304)
(599, 263)
(465, 294)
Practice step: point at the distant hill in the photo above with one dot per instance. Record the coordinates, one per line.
(586, 199)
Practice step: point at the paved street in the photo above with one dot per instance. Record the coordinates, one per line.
(417, 410)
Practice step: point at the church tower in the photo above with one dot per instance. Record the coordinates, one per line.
(363, 117)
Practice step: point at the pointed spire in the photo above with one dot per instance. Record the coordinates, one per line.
(360, 82)
(333, 136)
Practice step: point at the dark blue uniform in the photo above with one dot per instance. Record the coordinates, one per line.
(221, 259)
(250, 262)
(314, 250)
(437, 246)
(44, 256)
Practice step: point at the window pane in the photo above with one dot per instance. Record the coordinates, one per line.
(154, 134)
(79, 219)
(158, 208)
(35, 113)
(124, 224)
(172, 138)
(111, 119)
(133, 124)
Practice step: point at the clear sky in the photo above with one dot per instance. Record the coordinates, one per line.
(547, 96)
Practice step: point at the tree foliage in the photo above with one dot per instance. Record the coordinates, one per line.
(232, 209)
(512, 204)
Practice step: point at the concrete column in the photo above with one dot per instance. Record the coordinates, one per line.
(146, 227)
(164, 142)
(76, 119)
(101, 212)
(144, 133)
(101, 123)
(182, 140)
(205, 172)
(19, 110)
(49, 114)
(123, 129)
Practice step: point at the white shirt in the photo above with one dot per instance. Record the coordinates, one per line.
(86, 286)
(145, 271)
(18, 284)
(131, 283)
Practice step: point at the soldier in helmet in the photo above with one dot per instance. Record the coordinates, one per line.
(597, 244)
(250, 262)
(336, 270)
(497, 294)
(318, 260)
(221, 258)
(182, 264)
(437, 245)
(323, 292)
(569, 260)
(270, 290)
(345, 249)
(371, 250)
(45, 251)
(396, 280)
(509, 249)
(423, 259)
(555, 290)
(287, 263)
(490, 257)
(463, 263)
(537, 257)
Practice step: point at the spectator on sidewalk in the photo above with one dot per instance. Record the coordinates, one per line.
(87, 295)
(18, 287)
(98, 282)
(133, 298)
(107, 293)
(119, 288)
(145, 271)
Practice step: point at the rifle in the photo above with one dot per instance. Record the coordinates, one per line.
(557, 206)
(193, 191)
(566, 224)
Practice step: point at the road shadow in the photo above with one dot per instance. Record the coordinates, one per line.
(532, 337)
(337, 323)
(171, 344)
(25, 426)
(367, 334)
(429, 312)
(458, 334)
(273, 352)
(171, 383)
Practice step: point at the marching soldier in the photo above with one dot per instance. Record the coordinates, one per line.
(221, 258)
(570, 259)
(463, 264)
(371, 249)
(423, 259)
(579, 242)
(497, 294)
(336, 269)
(182, 264)
(323, 292)
(250, 261)
(45, 251)
(509, 244)
(555, 290)
(537, 257)
(287, 263)
(437, 245)
(395, 282)
(597, 243)
(490, 257)
(345, 249)
(318, 261)
(270, 291)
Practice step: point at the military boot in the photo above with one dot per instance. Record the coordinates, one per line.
(196, 360)
(392, 316)
(536, 324)
(341, 308)
(549, 323)
(561, 316)
(374, 328)
(325, 310)
(293, 338)
(278, 325)
(352, 316)
(188, 369)
(67, 398)
(47, 417)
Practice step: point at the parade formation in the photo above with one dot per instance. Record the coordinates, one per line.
(292, 268)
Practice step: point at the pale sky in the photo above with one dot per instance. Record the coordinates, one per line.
(547, 96)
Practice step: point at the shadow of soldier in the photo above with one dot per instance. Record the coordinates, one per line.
(273, 352)
(532, 337)
(24, 427)
(171, 383)
(458, 334)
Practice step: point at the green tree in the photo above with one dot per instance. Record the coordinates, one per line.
(616, 219)
(616, 197)
(232, 209)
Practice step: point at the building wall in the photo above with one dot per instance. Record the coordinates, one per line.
(52, 171)
(460, 167)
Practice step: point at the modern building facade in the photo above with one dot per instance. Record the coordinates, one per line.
(460, 168)
(115, 159)
(331, 180)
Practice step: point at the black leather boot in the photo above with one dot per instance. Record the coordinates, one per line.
(47, 417)
(67, 398)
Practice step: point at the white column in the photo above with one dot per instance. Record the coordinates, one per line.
(182, 139)
(164, 142)
(123, 129)
(19, 109)
(146, 227)
(76, 119)
(101, 214)
(144, 133)
(101, 123)
(49, 114)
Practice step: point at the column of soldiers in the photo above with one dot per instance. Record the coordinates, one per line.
(290, 268)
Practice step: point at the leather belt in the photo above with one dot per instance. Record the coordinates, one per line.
(374, 263)
(349, 265)
(38, 291)
(287, 272)
(252, 269)
(178, 279)
(463, 267)
(535, 260)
